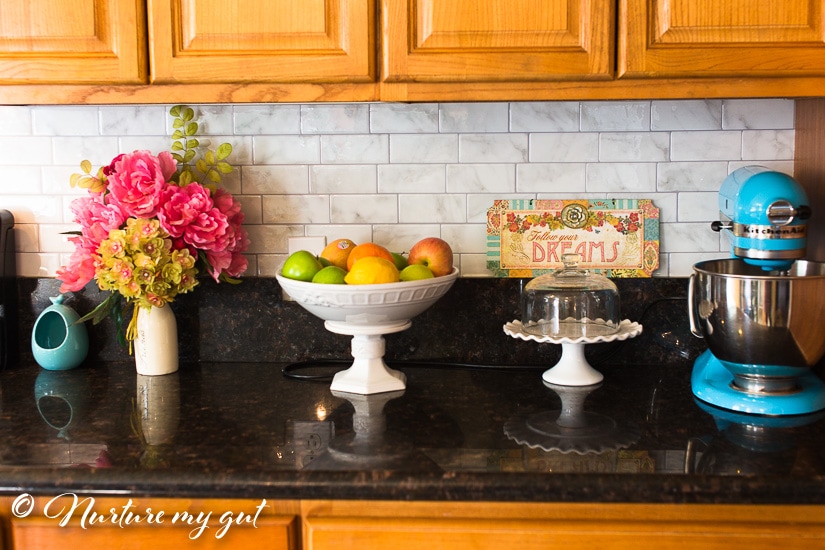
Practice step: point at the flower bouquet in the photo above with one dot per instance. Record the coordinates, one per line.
(148, 227)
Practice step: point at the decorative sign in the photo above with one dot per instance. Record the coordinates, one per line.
(614, 237)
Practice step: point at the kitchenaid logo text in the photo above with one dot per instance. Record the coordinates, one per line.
(69, 509)
(769, 231)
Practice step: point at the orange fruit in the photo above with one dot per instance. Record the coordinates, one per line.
(337, 252)
(366, 250)
(372, 270)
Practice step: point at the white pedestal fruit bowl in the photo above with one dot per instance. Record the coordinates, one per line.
(367, 313)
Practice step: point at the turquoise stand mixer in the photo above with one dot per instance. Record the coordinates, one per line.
(761, 311)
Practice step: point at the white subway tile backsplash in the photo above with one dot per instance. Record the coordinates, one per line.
(686, 115)
(544, 116)
(394, 172)
(474, 117)
(404, 118)
(757, 114)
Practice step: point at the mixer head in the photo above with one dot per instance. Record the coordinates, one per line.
(765, 214)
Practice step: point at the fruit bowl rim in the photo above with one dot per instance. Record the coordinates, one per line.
(353, 289)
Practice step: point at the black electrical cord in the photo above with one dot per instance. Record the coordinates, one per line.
(292, 370)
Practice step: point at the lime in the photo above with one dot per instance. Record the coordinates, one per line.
(371, 270)
(301, 265)
(416, 272)
(399, 260)
(330, 275)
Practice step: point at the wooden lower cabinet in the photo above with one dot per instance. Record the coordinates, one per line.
(159, 524)
(441, 526)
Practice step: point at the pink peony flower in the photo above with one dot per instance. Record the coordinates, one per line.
(96, 219)
(78, 272)
(181, 206)
(138, 180)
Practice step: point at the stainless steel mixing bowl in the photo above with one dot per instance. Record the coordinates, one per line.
(765, 327)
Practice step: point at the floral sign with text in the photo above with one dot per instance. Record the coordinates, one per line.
(150, 224)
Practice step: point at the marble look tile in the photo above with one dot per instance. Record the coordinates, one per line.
(17, 121)
(693, 114)
(38, 265)
(466, 238)
(688, 237)
(768, 144)
(275, 179)
(691, 176)
(65, 121)
(72, 150)
(267, 119)
(26, 151)
(544, 116)
(286, 149)
(605, 116)
(474, 265)
(699, 207)
(473, 117)
(363, 209)
(550, 177)
(213, 120)
(34, 209)
(409, 118)
(154, 144)
(269, 239)
(270, 264)
(492, 148)
(447, 208)
(423, 149)
(706, 146)
(137, 120)
(757, 114)
(479, 203)
(22, 179)
(637, 177)
(50, 237)
(340, 118)
(681, 264)
(343, 179)
(412, 178)
(481, 178)
(634, 146)
(252, 208)
(358, 233)
(565, 147)
(401, 237)
(355, 149)
(296, 209)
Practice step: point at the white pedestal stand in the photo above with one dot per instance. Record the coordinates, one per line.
(368, 374)
(572, 368)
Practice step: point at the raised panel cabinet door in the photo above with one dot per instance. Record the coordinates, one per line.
(245, 41)
(72, 42)
(496, 40)
(721, 38)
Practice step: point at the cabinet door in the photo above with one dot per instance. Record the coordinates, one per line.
(242, 41)
(496, 40)
(72, 42)
(721, 38)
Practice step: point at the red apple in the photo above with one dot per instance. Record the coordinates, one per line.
(434, 253)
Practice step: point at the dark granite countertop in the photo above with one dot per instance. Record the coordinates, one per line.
(245, 430)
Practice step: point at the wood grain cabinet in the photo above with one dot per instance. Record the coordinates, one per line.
(241, 41)
(75, 41)
(496, 40)
(721, 38)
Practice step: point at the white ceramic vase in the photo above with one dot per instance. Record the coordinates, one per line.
(156, 343)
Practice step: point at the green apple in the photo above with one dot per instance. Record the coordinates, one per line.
(330, 275)
(301, 265)
(324, 261)
(399, 260)
(415, 272)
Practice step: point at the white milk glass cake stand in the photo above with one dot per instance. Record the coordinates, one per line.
(572, 368)
(367, 313)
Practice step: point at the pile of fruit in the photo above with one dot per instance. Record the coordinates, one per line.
(344, 262)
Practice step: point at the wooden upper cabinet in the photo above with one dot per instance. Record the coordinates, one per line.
(72, 42)
(246, 41)
(496, 40)
(721, 38)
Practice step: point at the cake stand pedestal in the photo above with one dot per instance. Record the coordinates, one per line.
(572, 368)
(368, 373)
